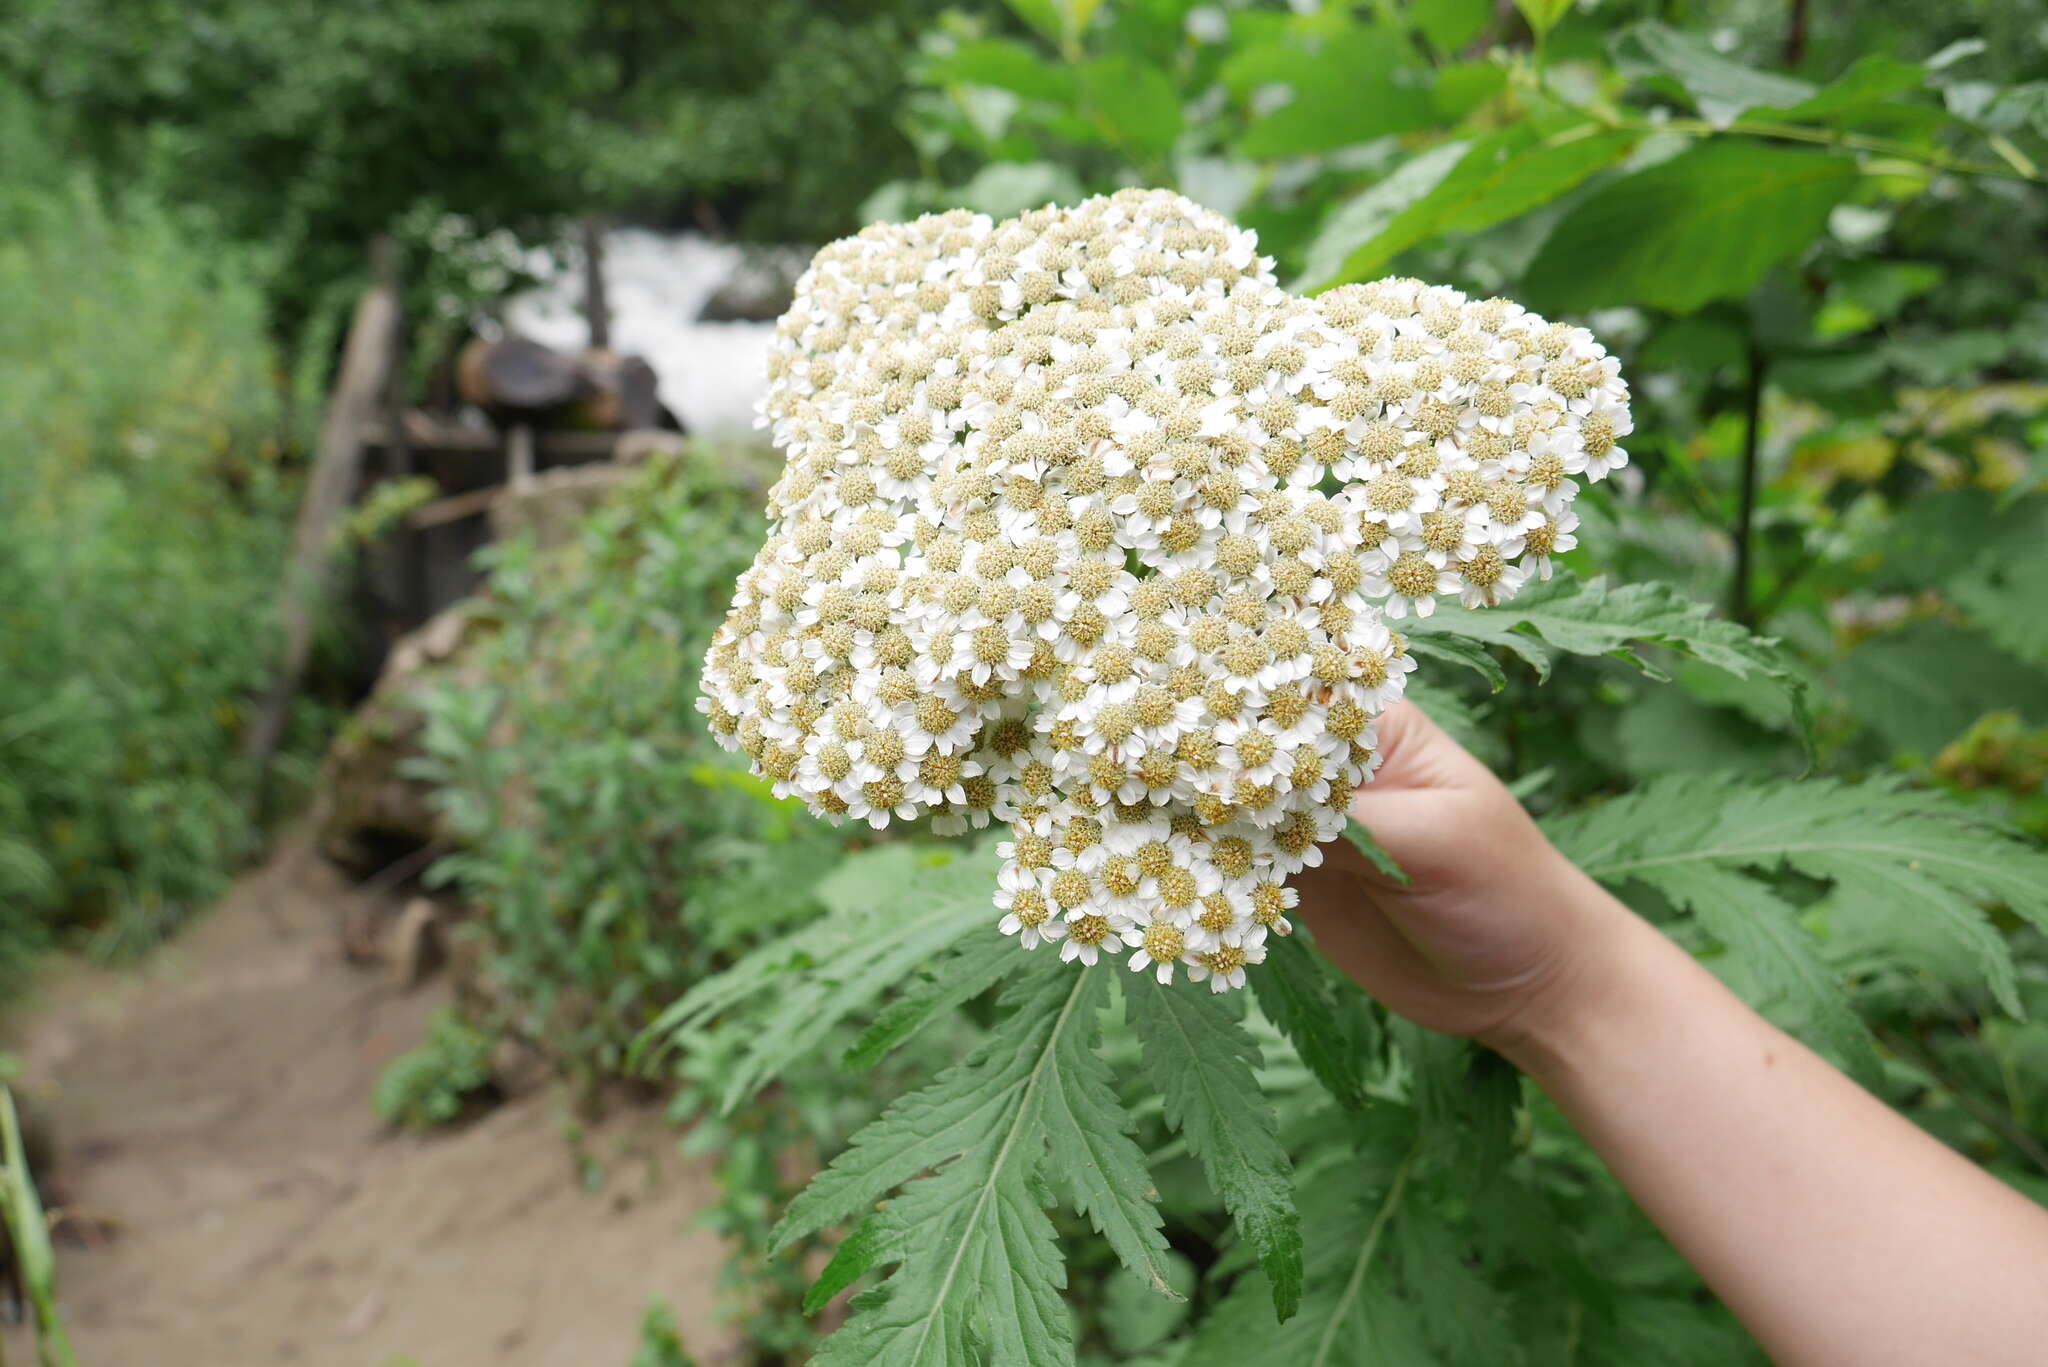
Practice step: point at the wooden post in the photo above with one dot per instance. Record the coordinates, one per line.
(596, 307)
(337, 461)
(519, 457)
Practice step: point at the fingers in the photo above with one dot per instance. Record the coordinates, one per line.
(1417, 753)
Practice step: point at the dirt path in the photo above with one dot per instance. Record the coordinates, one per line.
(214, 1107)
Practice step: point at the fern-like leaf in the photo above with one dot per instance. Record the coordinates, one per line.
(978, 1271)
(1202, 1061)
(890, 912)
(1597, 618)
(1327, 1021)
(1917, 855)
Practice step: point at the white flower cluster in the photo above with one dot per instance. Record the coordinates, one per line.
(1090, 528)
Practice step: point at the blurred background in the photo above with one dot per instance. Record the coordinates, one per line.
(376, 387)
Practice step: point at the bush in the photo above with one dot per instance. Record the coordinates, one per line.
(430, 1085)
(145, 513)
(615, 854)
(308, 130)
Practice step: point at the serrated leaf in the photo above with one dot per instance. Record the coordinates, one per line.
(1759, 928)
(1922, 854)
(1360, 839)
(971, 969)
(1728, 209)
(1594, 618)
(1202, 1062)
(1298, 991)
(1091, 1158)
(1350, 1314)
(1460, 650)
(2005, 598)
(1921, 686)
(1465, 1100)
(892, 911)
(979, 1154)
(978, 1267)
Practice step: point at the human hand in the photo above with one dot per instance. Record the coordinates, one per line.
(1496, 927)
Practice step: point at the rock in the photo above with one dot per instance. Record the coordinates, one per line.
(413, 947)
(555, 503)
(370, 813)
(759, 289)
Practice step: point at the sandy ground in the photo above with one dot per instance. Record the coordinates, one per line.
(213, 1108)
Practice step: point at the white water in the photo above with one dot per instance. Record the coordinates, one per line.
(656, 283)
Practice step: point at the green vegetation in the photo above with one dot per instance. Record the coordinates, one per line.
(143, 514)
(1807, 612)
(434, 1083)
(305, 131)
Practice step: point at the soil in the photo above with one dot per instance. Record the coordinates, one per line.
(245, 1207)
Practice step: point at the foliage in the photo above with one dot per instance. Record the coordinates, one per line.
(1833, 443)
(430, 1085)
(660, 1343)
(26, 1243)
(617, 856)
(143, 514)
(308, 130)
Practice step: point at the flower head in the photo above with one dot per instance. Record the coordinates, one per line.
(1088, 526)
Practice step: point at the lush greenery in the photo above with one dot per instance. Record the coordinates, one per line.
(143, 514)
(1835, 447)
(1788, 701)
(307, 130)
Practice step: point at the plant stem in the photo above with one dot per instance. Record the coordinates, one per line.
(1830, 137)
(1365, 1254)
(1739, 606)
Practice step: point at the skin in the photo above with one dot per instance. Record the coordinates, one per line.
(1837, 1231)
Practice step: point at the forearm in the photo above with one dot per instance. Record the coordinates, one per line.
(1837, 1231)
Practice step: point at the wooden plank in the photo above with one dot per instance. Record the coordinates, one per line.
(429, 435)
(337, 461)
(454, 508)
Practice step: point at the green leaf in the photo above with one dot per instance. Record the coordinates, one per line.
(1923, 685)
(2006, 598)
(1465, 1100)
(1450, 24)
(1705, 225)
(1136, 99)
(971, 969)
(1458, 187)
(1872, 83)
(978, 1154)
(1003, 189)
(1345, 89)
(978, 1272)
(1202, 1061)
(1722, 90)
(1592, 618)
(1092, 1159)
(1543, 15)
(1006, 65)
(1351, 1315)
(1324, 1018)
(1923, 855)
(1761, 930)
(1047, 17)
(1375, 854)
(1459, 650)
(891, 911)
